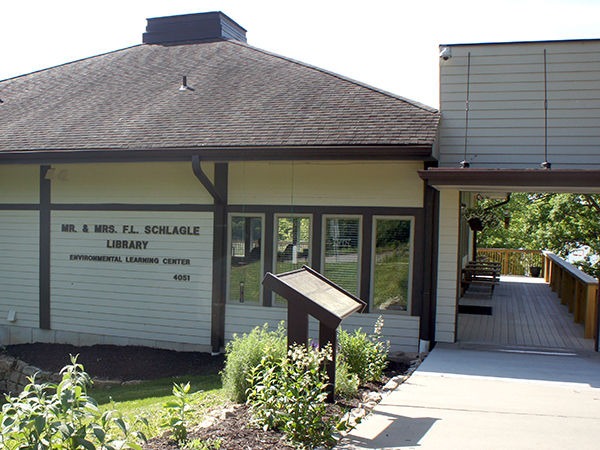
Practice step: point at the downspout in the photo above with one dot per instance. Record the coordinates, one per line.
(203, 178)
(218, 191)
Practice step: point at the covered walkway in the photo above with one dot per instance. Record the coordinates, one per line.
(523, 312)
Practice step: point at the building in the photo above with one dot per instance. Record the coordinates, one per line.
(516, 117)
(144, 193)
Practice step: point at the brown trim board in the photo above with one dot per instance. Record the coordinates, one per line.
(44, 261)
(573, 180)
(223, 154)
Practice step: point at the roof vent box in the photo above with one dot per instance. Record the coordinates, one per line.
(192, 27)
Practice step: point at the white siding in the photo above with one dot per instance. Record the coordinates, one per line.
(401, 330)
(506, 105)
(19, 268)
(447, 266)
(129, 300)
(391, 184)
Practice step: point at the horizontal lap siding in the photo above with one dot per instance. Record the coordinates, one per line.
(447, 266)
(390, 184)
(19, 267)
(132, 300)
(506, 105)
(401, 330)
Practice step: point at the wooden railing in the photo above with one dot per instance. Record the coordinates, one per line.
(514, 262)
(576, 289)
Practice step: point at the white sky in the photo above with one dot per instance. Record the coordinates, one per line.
(389, 44)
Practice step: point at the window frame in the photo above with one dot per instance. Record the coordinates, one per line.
(322, 256)
(411, 265)
(275, 237)
(230, 217)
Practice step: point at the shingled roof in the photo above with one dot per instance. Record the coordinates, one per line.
(241, 99)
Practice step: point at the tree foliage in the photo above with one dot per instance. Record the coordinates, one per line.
(559, 223)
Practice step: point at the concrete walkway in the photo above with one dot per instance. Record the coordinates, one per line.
(487, 399)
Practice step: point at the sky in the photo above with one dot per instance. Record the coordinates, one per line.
(392, 45)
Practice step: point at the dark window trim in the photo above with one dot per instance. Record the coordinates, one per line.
(367, 213)
(268, 250)
(19, 207)
(131, 207)
(263, 254)
(107, 207)
(327, 210)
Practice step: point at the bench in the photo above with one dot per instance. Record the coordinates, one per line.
(482, 274)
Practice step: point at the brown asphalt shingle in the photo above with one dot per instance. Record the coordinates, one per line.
(243, 96)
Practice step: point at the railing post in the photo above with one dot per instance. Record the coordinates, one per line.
(505, 269)
(591, 312)
(597, 343)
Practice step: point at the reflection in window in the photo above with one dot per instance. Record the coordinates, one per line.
(341, 263)
(293, 244)
(246, 258)
(392, 264)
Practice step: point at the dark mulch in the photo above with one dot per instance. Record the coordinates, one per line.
(119, 363)
(232, 433)
(142, 363)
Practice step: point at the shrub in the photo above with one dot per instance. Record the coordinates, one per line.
(366, 355)
(288, 393)
(245, 353)
(346, 383)
(63, 416)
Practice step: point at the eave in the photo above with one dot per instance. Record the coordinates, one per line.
(515, 180)
(221, 154)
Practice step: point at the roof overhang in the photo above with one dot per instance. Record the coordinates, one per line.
(222, 154)
(514, 180)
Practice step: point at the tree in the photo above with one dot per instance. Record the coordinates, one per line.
(559, 223)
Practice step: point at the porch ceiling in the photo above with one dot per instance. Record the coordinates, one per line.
(514, 180)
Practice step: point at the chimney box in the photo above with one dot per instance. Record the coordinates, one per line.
(192, 28)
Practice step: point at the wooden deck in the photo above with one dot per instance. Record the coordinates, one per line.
(524, 313)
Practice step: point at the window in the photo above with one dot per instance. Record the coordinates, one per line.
(293, 244)
(341, 262)
(392, 256)
(245, 268)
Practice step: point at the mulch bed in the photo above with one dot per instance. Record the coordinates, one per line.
(112, 362)
(119, 363)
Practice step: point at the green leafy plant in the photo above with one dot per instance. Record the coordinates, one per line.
(288, 393)
(49, 416)
(177, 412)
(199, 444)
(366, 355)
(245, 353)
(346, 383)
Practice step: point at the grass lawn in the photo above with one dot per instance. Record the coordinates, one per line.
(147, 398)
